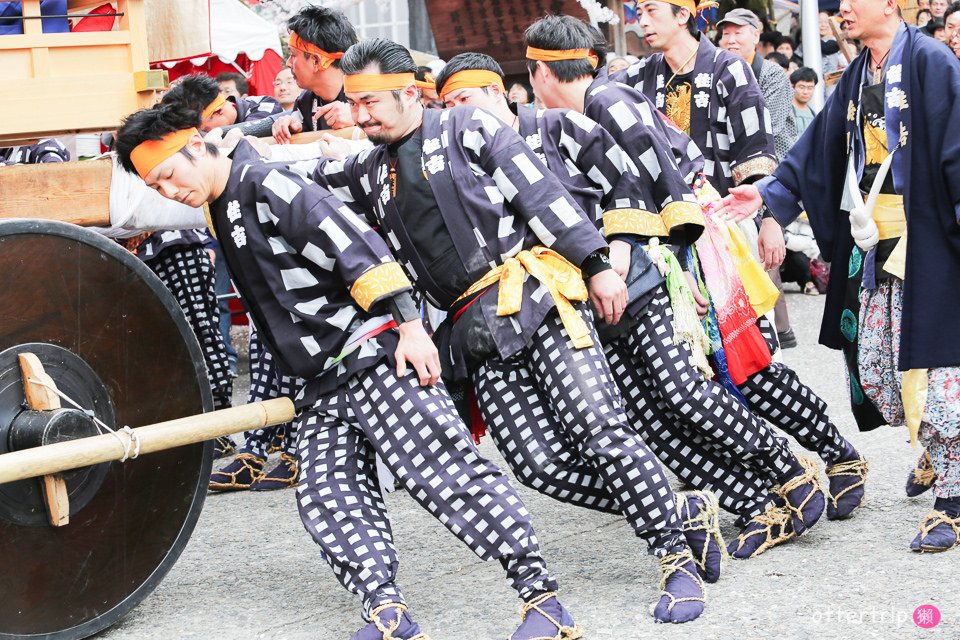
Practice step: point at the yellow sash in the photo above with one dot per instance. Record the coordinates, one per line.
(891, 220)
(563, 280)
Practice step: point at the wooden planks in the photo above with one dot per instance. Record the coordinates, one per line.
(77, 192)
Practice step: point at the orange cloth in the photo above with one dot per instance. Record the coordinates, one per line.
(549, 55)
(149, 153)
(374, 82)
(471, 79)
(429, 83)
(692, 6)
(213, 106)
(326, 59)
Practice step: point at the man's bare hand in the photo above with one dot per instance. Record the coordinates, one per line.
(417, 348)
(285, 127)
(620, 257)
(335, 147)
(337, 115)
(608, 292)
(742, 203)
(770, 244)
(699, 302)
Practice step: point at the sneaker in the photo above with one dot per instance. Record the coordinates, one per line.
(787, 339)
(810, 289)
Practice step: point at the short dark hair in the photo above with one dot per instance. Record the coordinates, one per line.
(531, 96)
(787, 40)
(772, 38)
(422, 72)
(195, 92)
(243, 87)
(804, 74)
(389, 57)
(952, 9)
(467, 62)
(153, 124)
(326, 28)
(778, 58)
(692, 27)
(565, 32)
(933, 26)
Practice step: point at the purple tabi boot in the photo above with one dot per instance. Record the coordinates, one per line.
(683, 597)
(921, 478)
(940, 529)
(804, 496)
(282, 476)
(847, 476)
(390, 621)
(544, 618)
(762, 532)
(239, 474)
(700, 513)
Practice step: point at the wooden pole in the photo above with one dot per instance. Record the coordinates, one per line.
(84, 452)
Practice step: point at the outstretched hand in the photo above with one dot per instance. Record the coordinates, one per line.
(742, 203)
(416, 347)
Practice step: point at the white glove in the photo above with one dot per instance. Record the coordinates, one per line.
(863, 229)
(656, 256)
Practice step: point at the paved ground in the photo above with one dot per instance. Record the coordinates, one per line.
(251, 571)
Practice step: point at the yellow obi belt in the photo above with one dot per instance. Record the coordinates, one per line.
(563, 280)
(891, 219)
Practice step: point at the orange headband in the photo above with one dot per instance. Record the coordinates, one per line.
(471, 79)
(374, 82)
(149, 153)
(213, 106)
(550, 55)
(428, 82)
(326, 59)
(691, 6)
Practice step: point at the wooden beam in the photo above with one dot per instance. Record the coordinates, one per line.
(77, 192)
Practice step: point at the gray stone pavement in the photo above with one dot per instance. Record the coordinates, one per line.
(252, 572)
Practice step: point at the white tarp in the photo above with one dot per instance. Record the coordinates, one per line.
(235, 29)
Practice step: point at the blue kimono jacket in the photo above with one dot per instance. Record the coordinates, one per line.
(922, 90)
(729, 120)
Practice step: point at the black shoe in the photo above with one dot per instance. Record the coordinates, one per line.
(787, 339)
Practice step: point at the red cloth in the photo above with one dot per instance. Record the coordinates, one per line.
(97, 24)
(260, 73)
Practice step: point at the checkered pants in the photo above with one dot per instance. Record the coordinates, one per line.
(558, 419)
(266, 382)
(696, 428)
(777, 395)
(417, 433)
(188, 274)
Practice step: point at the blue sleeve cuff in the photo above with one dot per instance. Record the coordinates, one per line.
(784, 205)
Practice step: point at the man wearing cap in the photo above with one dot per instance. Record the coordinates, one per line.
(336, 309)
(740, 34)
(615, 186)
(318, 38)
(712, 94)
(879, 181)
(489, 233)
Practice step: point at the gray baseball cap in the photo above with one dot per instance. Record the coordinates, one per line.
(740, 17)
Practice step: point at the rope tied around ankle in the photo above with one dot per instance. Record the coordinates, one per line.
(672, 564)
(855, 468)
(563, 632)
(924, 473)
(809, 476)
(934, 519)
(707, 519)
(774, 517)
(387, 631)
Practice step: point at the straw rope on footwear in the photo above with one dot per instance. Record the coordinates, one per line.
(292, 464)
(563, 632)
(670, 565)
(854, 468)
(707, 520)
(245, 459)
(811, 476)
(773, 517)
(933, 520)
(387, 631)
(924, 474)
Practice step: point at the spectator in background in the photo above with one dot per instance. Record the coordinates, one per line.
(427, 83)
(829, 47)
(521, 93)
(786, 48)
(616, 64)
(768, 43)
(923, 17)
(780, 60)
(938, 8)
(285, 89)
(47, 150)
(951, 23)
(936, 30)
(804, 81)
(233, 84)
(802, 250)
